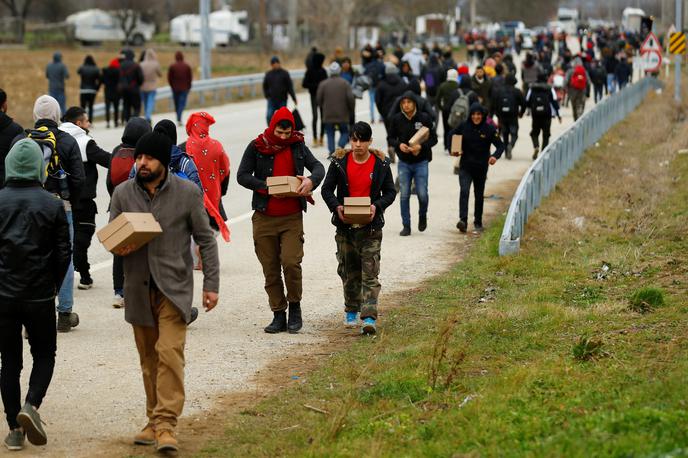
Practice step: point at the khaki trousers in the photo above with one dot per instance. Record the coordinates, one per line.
(278, 241)
(161, 353)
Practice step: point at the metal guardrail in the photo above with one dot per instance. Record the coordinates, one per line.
(562, 154)
(219, 89)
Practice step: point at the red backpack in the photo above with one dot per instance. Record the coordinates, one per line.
(578, 79)
(120, 165)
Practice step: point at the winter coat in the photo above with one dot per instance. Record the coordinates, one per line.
(433, 75)
(483, 90)
(90, 79)
(382, 190)
(446, 95)
(511, 91)
(277, 85)
(401, 129)
(8, 131)
(552, 105)
(130, 75)
(135, 129)
(336, 99)
(476, 141)
(391, 87)
(598, 76)
(57, 73)
(151, 71)
(415, 59)
(110, 79)
(179, 75)
(178, 207)
(92, 156)
(315, 74)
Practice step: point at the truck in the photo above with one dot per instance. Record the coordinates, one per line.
(95, 26)
(227, 28)
(567, 19)
(631, 19)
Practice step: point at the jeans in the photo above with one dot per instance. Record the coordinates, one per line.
(599, 90)
(477, 176)
(611, 83)
(343, 135)
(61, 99)
(274, 105)
(39, 320)
(65, 298)
(180, 102)
(418, 172)
(148, 99)
(371, 95)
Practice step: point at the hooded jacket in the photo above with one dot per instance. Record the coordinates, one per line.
(256, 167)
(57, 73)
(130, 74)
(382, 190)
(277, 85)
(401, 129)
(315, 74)
(508, 92)
(477, 139)
(90, 77)
(92, 156)
(136, 128)
(336, 99)
(110, 78)
(433, 74)
(151, 71)
(179, 75)
(35, 247)
(389, 88)
(415, 59)
(8, 131)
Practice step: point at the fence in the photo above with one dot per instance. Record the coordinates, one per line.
(220, 90)
(562, 154)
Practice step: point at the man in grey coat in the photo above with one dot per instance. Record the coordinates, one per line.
(336, 99)
(57, 73)
(158, 281)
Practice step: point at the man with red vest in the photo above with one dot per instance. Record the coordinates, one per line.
(278, 221)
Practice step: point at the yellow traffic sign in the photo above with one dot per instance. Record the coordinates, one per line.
(677, 43)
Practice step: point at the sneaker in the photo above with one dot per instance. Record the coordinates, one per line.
(194, 314)
(86, 282)
(64, 323)
(15, 440)
(368, 327)
(462, 225)
(535, 153)
(165, 441)
(422, 223)
(118, 301)
(350, 319)
(30, 422)
(406, 231)
(73, 319)
(146, 436)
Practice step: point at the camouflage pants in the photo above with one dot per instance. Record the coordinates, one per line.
(358, 257)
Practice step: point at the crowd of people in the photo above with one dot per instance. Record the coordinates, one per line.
(49, 175)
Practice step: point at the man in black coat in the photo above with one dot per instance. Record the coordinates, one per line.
(277, 85)
(34, 256)
(509, 104)
(8, 131)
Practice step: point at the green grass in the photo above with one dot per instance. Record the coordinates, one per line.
(557, 364)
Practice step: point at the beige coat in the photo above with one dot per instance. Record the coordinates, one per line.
(151, 71)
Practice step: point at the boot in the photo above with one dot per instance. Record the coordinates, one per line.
(295, 323)
(279, 323)
(508, 152)
(422, 223)
(406, 231)
(536, 152)
(64, 322)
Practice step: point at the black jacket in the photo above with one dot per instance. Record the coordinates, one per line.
(91, 78)
(35, 247)
(8, 131)
(110, 81)
(315, 74)
(382, 190)
(401, 129)
(389, 88)
(96, 157)
(477, 140)
(277, 85)
(510, 91)
(256, 167)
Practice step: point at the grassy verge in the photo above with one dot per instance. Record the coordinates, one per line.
(576, 347)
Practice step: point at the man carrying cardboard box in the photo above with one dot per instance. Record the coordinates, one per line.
(278, 221)
(361, 173)
(158, 280)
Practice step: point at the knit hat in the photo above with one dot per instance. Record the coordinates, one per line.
(274, 60)
(156, 145)
(334, 68)
(391, 69)
(167, 127)
(25, 162)
(464, 70)
(452, 75)
(46, 107)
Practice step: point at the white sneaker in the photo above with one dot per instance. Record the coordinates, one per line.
(118, 301)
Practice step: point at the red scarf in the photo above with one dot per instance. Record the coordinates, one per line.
(269, 143)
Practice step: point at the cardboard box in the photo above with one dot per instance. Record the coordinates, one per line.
(283, 186)
(129, 229)
(456, 145)
(420, 137)
(357, 209)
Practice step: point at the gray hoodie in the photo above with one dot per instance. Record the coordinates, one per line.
(57, 73)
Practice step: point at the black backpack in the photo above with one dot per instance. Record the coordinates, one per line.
(540, 104)
(507, 103)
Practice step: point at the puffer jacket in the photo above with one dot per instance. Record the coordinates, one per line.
(8, 131)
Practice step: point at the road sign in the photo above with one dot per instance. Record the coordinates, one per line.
(677, 43)
(650, 54)
(650, 44)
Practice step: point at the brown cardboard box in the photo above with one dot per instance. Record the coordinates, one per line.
(129, 229)
(283, 186)
(420, 137)
(456, 145)
(357, 209)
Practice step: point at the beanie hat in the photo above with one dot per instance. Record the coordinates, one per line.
(391, 69)
(452, 75)
(274, 60)
(167, 127)
(464, 70)
(25, 162)
(46, 107)
(334, 68)
(155, 145)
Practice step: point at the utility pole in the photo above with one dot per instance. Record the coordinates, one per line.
(206, 38)
(473, 7)
(677, 57)
(292, 26)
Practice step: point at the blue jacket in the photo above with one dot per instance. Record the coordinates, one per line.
(181, 165)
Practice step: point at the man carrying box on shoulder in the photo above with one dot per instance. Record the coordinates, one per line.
(158, 280)
(359, 173)
(278, 219)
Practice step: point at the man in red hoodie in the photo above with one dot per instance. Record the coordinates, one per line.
(179, 77)
(278, 222)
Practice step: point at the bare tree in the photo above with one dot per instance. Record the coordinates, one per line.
(18, 9)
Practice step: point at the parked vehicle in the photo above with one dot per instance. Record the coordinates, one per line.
(228, 28)
(96, 26)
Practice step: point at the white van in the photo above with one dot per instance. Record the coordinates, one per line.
(228, 28)
(95, 26)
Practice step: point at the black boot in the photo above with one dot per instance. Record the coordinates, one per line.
(279, 323)
(422, 223)
(295, 322)
(406, 231)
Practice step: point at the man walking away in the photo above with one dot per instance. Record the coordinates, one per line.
(598, 75)
(130, 81)
(509, 106)
(413, 160)
(111, 83)
(578, 84)
(57, 73)
(158, 281)
(151, 72)
(77, 124)
(179, 77)
(8, 131)
(623, 72)
(34, 255)
(336, 99)
(277, 85)
(477, 138)
(315, 74)
(359, 172)
(391, 87)
(278, 222)
(447, 93)
(542, 102)
(375, 70)
(91, 79)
